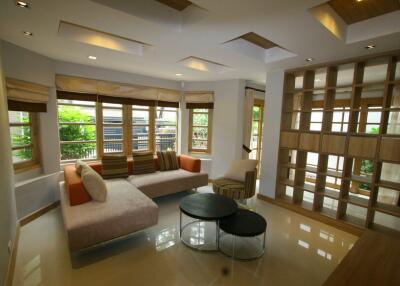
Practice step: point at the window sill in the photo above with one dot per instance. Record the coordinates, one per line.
(26, 168)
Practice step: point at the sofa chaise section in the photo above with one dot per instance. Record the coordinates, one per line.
(126, 210)
(168, 182)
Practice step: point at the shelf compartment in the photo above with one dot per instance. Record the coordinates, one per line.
(388, 209)
(287, 182)
(390, 185)
(361, 179)
(355, 214)
(386, 221)
(353, 220)
(307, 187)
(362, 147)
(289, 140)
(355, 200)
(333, 144)
(390, 149)
(328, 212)
(329, 193)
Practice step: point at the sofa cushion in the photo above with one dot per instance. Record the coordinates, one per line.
(126, 210)
(76, 191)
(94, 184)
(79, 164)
(168, 182)
(143, 163)
(167, 160)
(114, 166)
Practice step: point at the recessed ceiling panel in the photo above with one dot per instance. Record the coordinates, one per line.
(258, 40)
(179, 5)
(353, 11)
(203, 65)
(258, 47)
(100, 39)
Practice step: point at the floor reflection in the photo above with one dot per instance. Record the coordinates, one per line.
(295, 248)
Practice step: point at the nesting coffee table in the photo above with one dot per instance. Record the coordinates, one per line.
(205, 208)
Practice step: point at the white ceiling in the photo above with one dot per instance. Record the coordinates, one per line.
(286, 23)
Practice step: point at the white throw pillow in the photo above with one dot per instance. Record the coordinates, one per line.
(238, 168)
(79, 165)
(94, 184)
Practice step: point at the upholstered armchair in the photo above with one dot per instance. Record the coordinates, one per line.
(239, 183)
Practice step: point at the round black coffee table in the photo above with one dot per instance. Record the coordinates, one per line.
(204, 208)
(244, 224)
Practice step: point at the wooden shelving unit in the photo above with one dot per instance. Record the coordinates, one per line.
(343, 113)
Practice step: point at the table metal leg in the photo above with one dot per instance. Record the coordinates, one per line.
(217, 233)
(180, 224)
(264, 240)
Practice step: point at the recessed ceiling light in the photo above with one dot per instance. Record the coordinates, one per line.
(27, 33)
(22, 4)
(92, 57)
(317, 80)
(370, 47)
(309, 59)
(359, 0)
(179, 74)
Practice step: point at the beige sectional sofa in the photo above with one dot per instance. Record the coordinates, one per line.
(129, 206)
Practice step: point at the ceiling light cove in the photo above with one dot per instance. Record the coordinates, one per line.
(179, 74)
(22, 4)
(203, 65)
(92, 57)
(101, 39)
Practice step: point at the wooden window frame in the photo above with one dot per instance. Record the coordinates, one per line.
(35, 162)
(209, 132)
(127, 125)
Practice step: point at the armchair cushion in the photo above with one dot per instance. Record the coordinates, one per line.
(238, 169)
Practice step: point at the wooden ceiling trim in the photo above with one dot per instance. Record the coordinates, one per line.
(179, 5)
(256, 40)
(352, 11)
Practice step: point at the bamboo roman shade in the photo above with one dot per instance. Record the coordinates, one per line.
(26, 96)
(77, 88)
(199, 99)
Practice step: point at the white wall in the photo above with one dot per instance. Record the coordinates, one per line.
(8, 215)
(272, 116)
(227, 122)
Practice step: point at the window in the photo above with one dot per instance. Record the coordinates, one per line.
(166, 128)
(23, 131)
(141, 128)
(88, 129)
(113, 135)
(77, 129)
(200, 130)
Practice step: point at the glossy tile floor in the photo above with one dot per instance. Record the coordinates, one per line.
(299, 251)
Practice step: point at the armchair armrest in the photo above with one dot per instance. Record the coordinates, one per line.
(190, 164)
(250, 183)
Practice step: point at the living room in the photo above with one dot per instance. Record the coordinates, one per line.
(211, 142)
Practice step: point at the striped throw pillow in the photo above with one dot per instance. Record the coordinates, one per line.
(114, 166)
(143, 163)
(167, 160)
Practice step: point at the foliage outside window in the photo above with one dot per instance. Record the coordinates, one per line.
(77, 129)
(119, 129)
(23, 129)
(200, 130)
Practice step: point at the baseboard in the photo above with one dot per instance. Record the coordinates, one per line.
(313, 215)
(11, 264)
(27, 219)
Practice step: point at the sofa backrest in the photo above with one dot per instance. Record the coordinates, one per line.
(98, 167)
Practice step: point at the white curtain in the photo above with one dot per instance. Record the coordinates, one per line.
(391, 172)
(248, 120)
